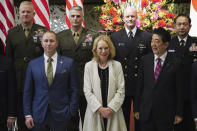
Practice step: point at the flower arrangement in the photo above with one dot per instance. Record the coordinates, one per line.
(151, 14)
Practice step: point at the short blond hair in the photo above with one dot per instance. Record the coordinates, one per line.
(26, 3)
(105, 38)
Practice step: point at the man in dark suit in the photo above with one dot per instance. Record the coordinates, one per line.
(51, 89)
(8, 94)
(76, 43)
(194, 92)
(182, 46)
(23, 45)
(159, 101)
(131, 44)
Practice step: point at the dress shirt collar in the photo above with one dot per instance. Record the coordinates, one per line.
(163, 57)
(78, 32)
(27, 27)
(54, 57)
(133, 30)
(185, 39)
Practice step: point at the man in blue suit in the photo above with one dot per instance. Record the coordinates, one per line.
(51, 89)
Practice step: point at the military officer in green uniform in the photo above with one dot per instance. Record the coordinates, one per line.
(23, 45)
(76, 43)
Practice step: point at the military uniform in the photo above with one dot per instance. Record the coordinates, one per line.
(129, 53)
(22, 49)
(188, 55)
(81, 52)
(1, 48)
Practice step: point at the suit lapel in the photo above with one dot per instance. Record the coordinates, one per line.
(21, 33)
(165, 66)
(151, 69)
(58, 68)
(42, 65)
(96, 80)
(111, 80)
(124, 44)
(81, 38)
(188, 43)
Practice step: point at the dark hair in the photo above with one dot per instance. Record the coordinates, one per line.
(164, 34)
(183, 15)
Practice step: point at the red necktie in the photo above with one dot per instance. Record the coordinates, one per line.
(158, 68)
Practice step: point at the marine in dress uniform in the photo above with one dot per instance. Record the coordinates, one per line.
(22, 45)
(76, 43)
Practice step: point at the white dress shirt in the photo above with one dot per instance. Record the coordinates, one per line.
(185, 39)
(133, 30)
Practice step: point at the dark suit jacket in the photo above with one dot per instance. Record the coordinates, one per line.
(1, 48)
(61, 96)
(80, 52)
(188, 57)
(22, 49)
(8, 89)
(194, 90)
(164, 97)
(128, 53)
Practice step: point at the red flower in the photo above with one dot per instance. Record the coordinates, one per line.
(155, 1)
(170, 15)
(144, 3)
(162, 23)
(115, 21)
(112, 11)
(123, 0)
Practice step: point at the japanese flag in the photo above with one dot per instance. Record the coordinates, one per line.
(193, 16)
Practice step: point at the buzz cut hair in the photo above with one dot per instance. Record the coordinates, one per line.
(26, 3)
(78, 8)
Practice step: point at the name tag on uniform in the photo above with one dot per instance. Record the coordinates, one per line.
(170, 50)
(121, 44)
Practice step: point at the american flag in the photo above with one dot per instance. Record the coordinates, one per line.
(42, 16)
(70, 4)
(7, 18)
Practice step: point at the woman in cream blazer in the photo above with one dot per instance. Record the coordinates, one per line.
(104, 52)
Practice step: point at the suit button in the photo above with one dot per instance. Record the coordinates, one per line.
(125, 59)
(125, 75)
(125, 67)
(26, 59)
(135, 75)
(135, 66)
(136, 58)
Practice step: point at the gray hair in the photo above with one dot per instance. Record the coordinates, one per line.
(78, 8)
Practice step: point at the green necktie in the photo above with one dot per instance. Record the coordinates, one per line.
(76, 37)
(26, 32)
(50, 70)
